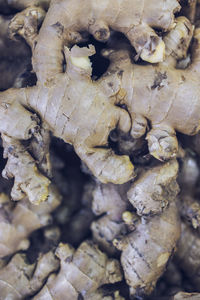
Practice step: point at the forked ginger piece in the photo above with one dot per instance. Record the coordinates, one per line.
(20, 279)
(18, 221)
(82, 273)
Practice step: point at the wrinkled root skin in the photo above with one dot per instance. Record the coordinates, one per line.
(152, 192)
(84, 117)
(110, 201)
(22, 167)
(66, 20)
(168, 98)
(81, 274)
(26, 24)
(18, 221)
(26, 279)
(84, 122)
(152, 240)
(145, 252)
(147, 242)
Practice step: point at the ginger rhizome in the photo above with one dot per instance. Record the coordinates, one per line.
(62, 106)
(82, 274)
(20, 165)
(26, 24)
(110, 201)
(161, 98)
(18, 221)
(66, 20)
(19, 279)
(145, 250)
(69, 122)
(138, 99)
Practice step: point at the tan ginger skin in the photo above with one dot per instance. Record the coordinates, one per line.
(18, 221)
(109, 201)
(20, 279)
(146, 250)
(148, 242)
(67, 19)
(82, 273)
(87, 127)
(166, 97)
(84, 117)
(134, 18)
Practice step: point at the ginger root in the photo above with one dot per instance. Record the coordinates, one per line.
(19, 279)
(82, 273)
(88, 135)
(146, 250)
(66, 20)
(146, 100)
(146, 242)
(26, 24)
(20, 165)
(83, 112)
(59, 104)
(109, 202)
(151, 193)
(28, 164)
(18, 221)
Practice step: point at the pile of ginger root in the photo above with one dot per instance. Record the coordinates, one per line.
(100, 150)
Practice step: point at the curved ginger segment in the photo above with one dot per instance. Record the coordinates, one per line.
(147, 249)
(81, 274)
(66, 19)
(18, 221)
(109, 202)
(19, 279)
(168, 99)
(83, 117)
